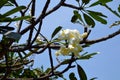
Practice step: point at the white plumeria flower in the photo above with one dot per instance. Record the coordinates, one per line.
(63, 50)
(73, 38)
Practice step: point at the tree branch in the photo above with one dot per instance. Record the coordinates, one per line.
(103, 38)
(51, 60)
(56, 47)
(71, 6)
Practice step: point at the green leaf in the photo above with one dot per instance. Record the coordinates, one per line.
(72, 76)
(21, 18)
(48, 70)
(102, 2)
(5, 19)
(67, 61)
(12, 35)
(12, 1)
(97, 17)
(2, 3)
(89, 20)
(87, 56)
(94, 4)
(119, 9)
(28, 73)
(56, 31)
(81, 73)
(12, 55)
(76, 16)
(19, 8)
(85, 1)
(9, 4)
(97, 13)
(105, 1)
(75, 12)
(8, 19)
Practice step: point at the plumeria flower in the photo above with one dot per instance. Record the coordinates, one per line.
(73, 38)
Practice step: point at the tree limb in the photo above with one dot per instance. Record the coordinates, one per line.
(103, 38)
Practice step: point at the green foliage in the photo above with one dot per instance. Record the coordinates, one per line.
(101, 2)
(66, 61)
(104, 1)
(6, 16)
(16, 74)
(72, 76)
(88, 56)
(13, 36)
(19, 8)
(119, 9)
(76, 17)
(21, 18)
(9, 19)
(6, 3)
(85, 1)
(97, 16)
(88, 15)
(97, 13)
(89, 20)
(81, 73)
(56, 31)
(27, 73)
(2, 3)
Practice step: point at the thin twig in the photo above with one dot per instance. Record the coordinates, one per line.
(63, 71)
(46, 7)
(38, 32)
(20, 23)
(51, 60)
(32, 21)
(55, 8)
(72, 6)
(114, 12)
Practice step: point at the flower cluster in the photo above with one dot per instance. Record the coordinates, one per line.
(72, 40)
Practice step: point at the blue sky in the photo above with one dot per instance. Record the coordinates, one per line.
(105, 65)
